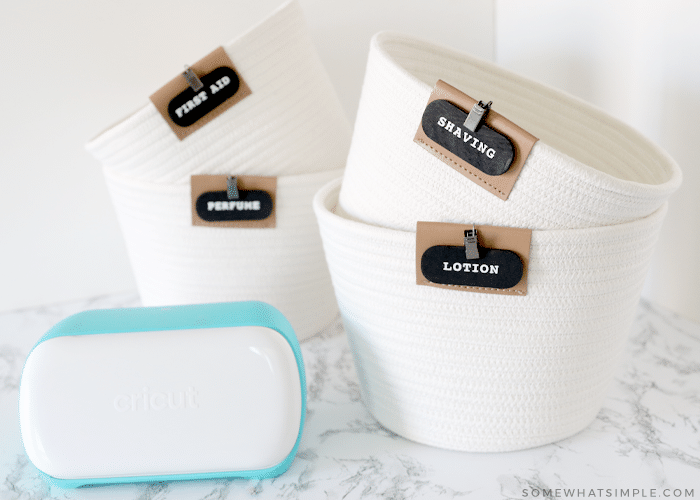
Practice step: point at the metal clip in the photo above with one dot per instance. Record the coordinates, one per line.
(476, 115)
(192, 80)
(471, 247)
(232, 187)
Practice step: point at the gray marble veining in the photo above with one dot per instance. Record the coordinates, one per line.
(645, 438)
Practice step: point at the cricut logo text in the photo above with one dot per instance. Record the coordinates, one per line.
(156, 401)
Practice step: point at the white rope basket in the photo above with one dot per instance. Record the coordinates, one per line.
(480, 372)
(588, 169)
(484, 372)
(292, 126)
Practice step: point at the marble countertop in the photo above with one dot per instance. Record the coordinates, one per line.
(645, 442)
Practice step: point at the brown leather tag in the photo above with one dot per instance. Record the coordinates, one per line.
(517, 143)
(255, 206)
(186, 110)
(498, 247)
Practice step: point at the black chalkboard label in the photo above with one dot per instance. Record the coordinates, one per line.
(186, 110)
(495, 268)
(255, 206)
(214, 206)
(500, 266)
(486, 149)
(189, 106)
(492, 156)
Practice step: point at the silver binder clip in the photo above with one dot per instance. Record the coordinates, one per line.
(471, 247)
(232, 187)
(476, 115)
(192, 80)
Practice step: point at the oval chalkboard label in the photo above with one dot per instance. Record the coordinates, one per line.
(485, 149)
(189, 106)
(447, 265)
(214, 206)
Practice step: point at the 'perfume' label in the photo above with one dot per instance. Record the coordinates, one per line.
(215, 206)
(254, 205)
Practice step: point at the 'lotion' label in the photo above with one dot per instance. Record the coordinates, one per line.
(446, 265)
(254, 205)
(185, 109)
(501, 266)
(492, 155)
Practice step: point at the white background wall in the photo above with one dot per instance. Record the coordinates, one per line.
(72, 68)
(640, 61)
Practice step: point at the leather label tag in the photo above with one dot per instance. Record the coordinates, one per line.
(492, 155)
(501, 266)
(186, 110)
(253, 207)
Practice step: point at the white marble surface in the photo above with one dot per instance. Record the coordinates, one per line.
(645, 440)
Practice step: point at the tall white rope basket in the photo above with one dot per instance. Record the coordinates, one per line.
(292, 126)
(485, 372)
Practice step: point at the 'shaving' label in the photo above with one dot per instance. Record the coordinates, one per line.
(186, 110)
(500, 269)
(491, 156)
(254, 207)
(486, 149)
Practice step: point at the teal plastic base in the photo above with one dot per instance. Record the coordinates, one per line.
(145, 319)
